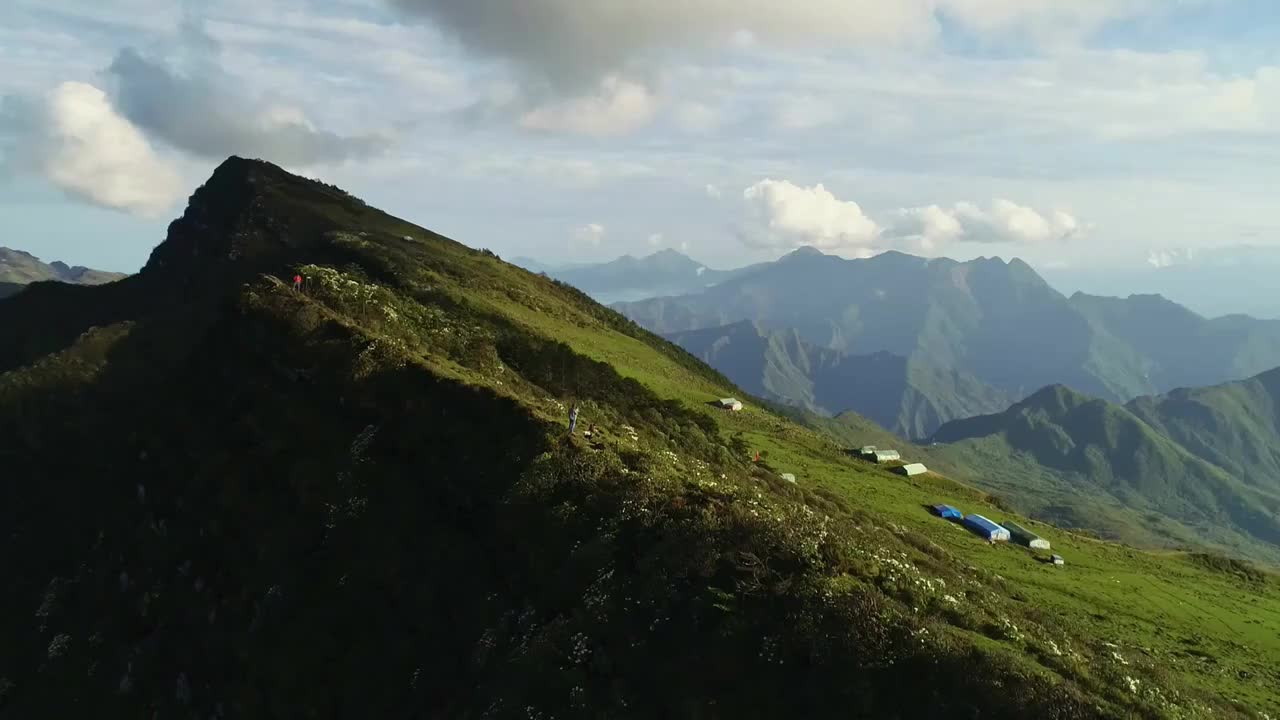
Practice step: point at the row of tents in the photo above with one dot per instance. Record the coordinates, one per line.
(994, 532)
(871, 454)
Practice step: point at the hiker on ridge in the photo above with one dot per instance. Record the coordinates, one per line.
(297, 282)
(573, 418)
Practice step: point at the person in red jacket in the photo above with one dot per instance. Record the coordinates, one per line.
(297, 282)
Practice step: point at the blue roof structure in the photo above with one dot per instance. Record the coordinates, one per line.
(985, 528)
(946, 512)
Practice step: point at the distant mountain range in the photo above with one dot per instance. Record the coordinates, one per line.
(18, 269)
(996, 322)
(1190, 466)
(668, 272)
(1208, 280)
(908, 396)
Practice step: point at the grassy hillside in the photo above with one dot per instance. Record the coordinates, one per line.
(238, 500)
(1089, 463)
(908, 396)
(998, 322)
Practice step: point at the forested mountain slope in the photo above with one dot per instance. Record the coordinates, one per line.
(1061, 452)
(910, 397)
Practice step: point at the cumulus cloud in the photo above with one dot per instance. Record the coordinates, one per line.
(203, 111)
(76, 139)
(655, 239)
(781, 215)
(590, 234)
(1003, 222)
(619, 107)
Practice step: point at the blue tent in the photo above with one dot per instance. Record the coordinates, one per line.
(985, 528)
(946, 512)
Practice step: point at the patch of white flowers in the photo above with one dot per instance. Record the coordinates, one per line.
(581, 651)
(770, 652)
(1011, 629)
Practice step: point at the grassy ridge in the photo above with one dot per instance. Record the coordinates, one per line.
(260, 484)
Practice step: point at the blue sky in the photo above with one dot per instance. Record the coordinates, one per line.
(1098, 133)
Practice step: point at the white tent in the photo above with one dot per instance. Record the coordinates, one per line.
(911, 470)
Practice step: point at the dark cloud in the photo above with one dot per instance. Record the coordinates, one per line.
(200, 110)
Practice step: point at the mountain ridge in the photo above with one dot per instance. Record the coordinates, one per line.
(906, 396)
(662, 273)
(998, 321)
(1138, 454)
(229, 498)
(19, 268)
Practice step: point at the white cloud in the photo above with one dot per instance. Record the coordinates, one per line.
(1003, 222)
(1171, 257)
(781, 214)
(76, 139)
(591, 234)
(656, 239)
(804, 112)
(574, 172)
(619, 107)
(713, 191)
(697, 118)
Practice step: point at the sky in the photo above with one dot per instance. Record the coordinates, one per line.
(1110, 135)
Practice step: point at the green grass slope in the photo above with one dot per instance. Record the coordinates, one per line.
(1089, 463)
(237, 500)
(907, 396)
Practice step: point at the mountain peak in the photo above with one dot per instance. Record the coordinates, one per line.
(804, 251)
(1056, 398)
(250, 215)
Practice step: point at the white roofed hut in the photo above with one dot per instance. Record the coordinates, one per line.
(911, 469)
(733, 404)
(884, 456)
